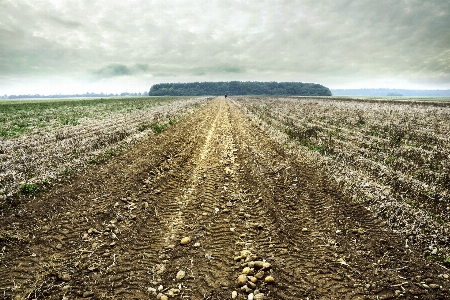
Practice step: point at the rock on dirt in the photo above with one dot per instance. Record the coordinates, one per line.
(241, 280)
(173, 292)
(161, 296)
(65, 277)
(186, 240)
(434, 286)
(88, 294)
(269, 279)
(259, 296)
(181, 274)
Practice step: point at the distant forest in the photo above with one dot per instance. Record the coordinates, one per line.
(391, 92)
(239, 88)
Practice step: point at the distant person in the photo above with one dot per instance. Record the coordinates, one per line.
(225, 96)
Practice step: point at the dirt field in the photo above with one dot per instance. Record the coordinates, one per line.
(115, 231)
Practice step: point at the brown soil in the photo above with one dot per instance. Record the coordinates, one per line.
(114, 231)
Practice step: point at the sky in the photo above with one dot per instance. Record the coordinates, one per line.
(112, 46)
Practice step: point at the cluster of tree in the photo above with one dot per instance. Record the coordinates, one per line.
(73, 96)
(391, 92)
(239, 88)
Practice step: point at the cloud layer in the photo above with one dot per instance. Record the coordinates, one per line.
(130, 45)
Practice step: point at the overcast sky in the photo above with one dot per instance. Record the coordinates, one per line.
(78, 46)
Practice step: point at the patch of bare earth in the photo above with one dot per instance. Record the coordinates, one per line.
(118, 231)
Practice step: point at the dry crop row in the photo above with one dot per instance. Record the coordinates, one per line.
(392, 156)
(20, 117)
(29, 162)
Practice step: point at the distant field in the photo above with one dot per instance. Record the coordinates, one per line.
(40, 140)
(244, 198)
(391, 155)
(396, 98)
(18, 117)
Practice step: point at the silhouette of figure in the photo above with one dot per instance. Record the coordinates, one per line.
(225, 96)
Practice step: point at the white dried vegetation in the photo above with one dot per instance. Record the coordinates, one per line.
(391, 156)
(37, 158)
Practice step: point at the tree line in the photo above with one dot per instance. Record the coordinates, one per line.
(239, 88)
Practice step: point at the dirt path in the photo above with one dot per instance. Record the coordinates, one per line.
(215, 177)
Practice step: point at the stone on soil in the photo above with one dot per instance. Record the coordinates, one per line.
(181, 274)
(66, 288)
(241, 280)
(185, 240)
(266, 265)
(259, 296)
(173, 292)
(88, 294)
(161, 269)
(251, 285)
(92, 230)
(259, 275)
(65, 277)
(161, 296)
(269, 279)
(246, 289)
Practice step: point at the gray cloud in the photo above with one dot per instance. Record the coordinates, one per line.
(117, 70)
(220, 69)
(66, 23)
(339, 43)
(113, 70)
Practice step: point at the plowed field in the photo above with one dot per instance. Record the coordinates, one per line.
(115, 231)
